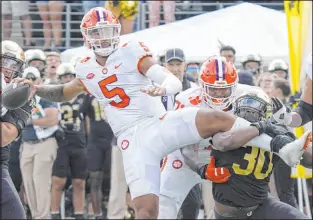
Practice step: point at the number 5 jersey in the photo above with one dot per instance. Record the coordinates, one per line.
(117, 86)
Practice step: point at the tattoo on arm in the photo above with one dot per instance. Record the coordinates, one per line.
(51, 92)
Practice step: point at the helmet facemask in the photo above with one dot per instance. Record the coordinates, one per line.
(219, 96)
(104, 39)
(11, 67)
(252, 108)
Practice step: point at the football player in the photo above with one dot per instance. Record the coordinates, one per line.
(71, 154)
(99, 151)
(12, 124)
(216, 94)
(120, 77)
(246, 194)
(302, 114)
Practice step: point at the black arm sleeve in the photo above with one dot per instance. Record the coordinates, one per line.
(305, 111)
(18, 117)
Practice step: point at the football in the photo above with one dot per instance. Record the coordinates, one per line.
(15, 95)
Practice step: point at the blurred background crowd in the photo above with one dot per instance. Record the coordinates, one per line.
(79, 173)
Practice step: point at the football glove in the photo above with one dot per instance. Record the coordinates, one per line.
(216, 175)
(281, 113)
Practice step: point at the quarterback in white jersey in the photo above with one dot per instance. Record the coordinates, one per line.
(302, 114)
(177, 171)
(120, 77)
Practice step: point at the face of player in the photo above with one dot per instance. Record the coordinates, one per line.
(219, 92)
(229, 55)
(10, 68)
(67, 78)
(281, 73)
(252, 66)
(39, 64)
(177, 67)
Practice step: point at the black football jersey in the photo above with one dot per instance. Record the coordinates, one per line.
(99, 128)
(71, 117)
(250, 169)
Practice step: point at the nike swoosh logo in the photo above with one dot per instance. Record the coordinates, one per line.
(161, 118)
(116, 67)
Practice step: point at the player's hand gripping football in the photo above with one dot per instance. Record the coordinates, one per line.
(26, 81)
(154, 90)
(216, 175)
(281, 113)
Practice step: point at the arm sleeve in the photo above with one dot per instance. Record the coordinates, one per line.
(305, 111)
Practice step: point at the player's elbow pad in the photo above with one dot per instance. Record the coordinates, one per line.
(305, 111)
(161, 76)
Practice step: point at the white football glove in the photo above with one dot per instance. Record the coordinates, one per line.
(281, 113)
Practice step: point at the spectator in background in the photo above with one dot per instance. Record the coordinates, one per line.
(21, 10)
(192, 71)
(36, 58)
(253, 63)
(87, 5)
(246, 78)
(125, 11)
(285, 186)
(38, 151)
(229, 53)
(53, 62)
(51, 16)
(279, 67)
(154, 12)
(265, 82)
(280, 88)
(175, 62)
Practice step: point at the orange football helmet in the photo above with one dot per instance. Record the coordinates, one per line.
(101, 31)
(218, 80)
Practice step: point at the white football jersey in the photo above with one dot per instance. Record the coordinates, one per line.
(117, 86)
(192, 98)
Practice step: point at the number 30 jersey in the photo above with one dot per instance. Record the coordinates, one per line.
(117, 86)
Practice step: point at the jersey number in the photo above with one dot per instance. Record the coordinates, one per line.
(99, 113)
(255, 165)
(114, 92)
(67, 112)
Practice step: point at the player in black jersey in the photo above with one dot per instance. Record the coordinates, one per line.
(246, 194)
(12, 124)
(99, 147)
(71, 154)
